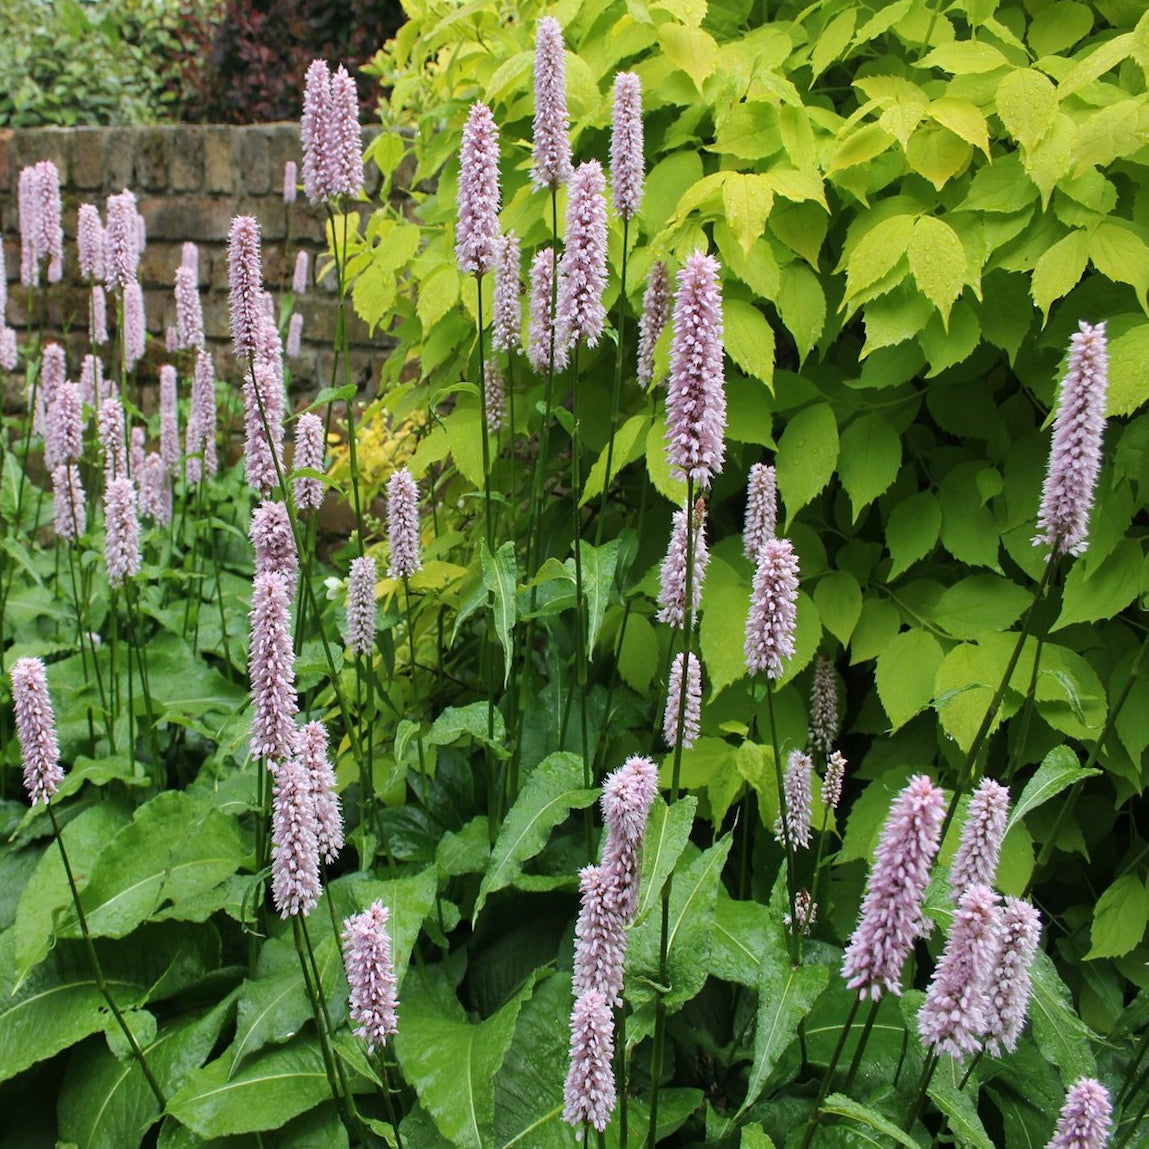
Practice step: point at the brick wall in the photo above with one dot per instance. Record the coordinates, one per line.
(189, 181)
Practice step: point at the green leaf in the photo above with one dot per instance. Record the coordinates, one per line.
(273, 1087)
(638, 656)
(453, 1064)
(742, 933)
(1059, 269)
(838, 598)
(979, 603)
(807, 455)
(691, 49)
(747, 199)
(937, 260)
(905, 674)
(175, 849)
(802, 305)
(833, 40)
(1119, 251)
(598, 564)
(468, 721)
(105, 1102)
(709, 764)
(272, 1009)
(878, 252)
(962, 118)
(629, 441)
(843, 1106)
(1059, 27)
(958, 1107)
(869, 459)
(667, 832)
(969, 531)
(966, 681)
(912, 530)
(500, 573)
(1026, 105)
(1062, 1037)
(657, 468)
(938, 154)
(964, 58)
(786, 994)
(749, 339)
(551, 791)
(725, 603)
(1119, 918)
(1102, 591)
(1128, 371)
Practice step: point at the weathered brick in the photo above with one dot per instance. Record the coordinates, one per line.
(197, 218)
(152, 148)
(219, 159)
(5, 158)
(158, 262)
(119, 158)
(254, 160)
(88, 158)
(187, 159)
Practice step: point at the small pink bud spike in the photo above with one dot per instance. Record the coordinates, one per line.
(1086, 1117)
(552, 148)
(359, 634)
(672, 576)
(477, 233)
(655, 314)
(245, 279)
(582, 269)
(626, 159)
(589, 1093)
(295, 887)
(36, 730)
(371, 975)
(403, 525)
(772, 621)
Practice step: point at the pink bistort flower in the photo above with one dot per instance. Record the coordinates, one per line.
(189, 310)
(310, 454)
(271, 668)
(552, 148)
(626, 159)
(121, 241)
(70, 515)
(761, 510)
(1086, 1117)
(245, 280)
(589, 1094)
(771, 622)
(36, 730)
(691, 712)
(121, 531)
(295, 885)
(371, 975)
(273, 541)
(672, 576)
(582, 269)
(359, 633)
(311, 749)
(403, 525)
(542, 338)
(655, 313)
(795, 829)
(1007, 998)
(506, 326)
(477, 233)
(627, 796)
(600, 936)
(981, 836)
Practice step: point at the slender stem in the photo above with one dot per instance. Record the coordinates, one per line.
(864, 1036)
(620, 1068)
(582, 655)
(97, 969)
(928, 1067)
(616, 394)
(794, 937)
(972, 1066)
(483, 430)
(387, 1101)
(828, 1076)
(419, 732)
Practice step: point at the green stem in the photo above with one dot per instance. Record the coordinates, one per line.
(863, 1038)
(828, 1076)
(794, 937)
(582, 655)
(928, 1068)
(616, 394)
(97, 969)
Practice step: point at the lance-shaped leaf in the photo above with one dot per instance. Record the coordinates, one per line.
(1058, 770)
(500, 573)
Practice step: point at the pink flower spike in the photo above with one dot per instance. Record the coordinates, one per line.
(121, 241)
(169, 421)
(403, 525)
(1086, 1117)
(90, 242)
(301, 274)
(692, 711)
(344, 151)
(952, 1018)
(29, 210)
(71, 518)
(313, 130)
(582, 269)
(155, 489)
(589, 1093)
(626, 159)
(189, 258)
(271, 668)
(772, 620)
(832, 786)
(9, 352)
(50, 236)
(359, 634)
(672, 576)
(1075, 453)
(36, 730)
(295, 885)
(136, 451)
(477, 230)
(311, 748)
(542, 338)
(263, 413)
(891, 917)
(796, 794)
(696, 392)
(202, 421)
(273, 542)
(627, 796)
(64, 430)
(506, 327)
(246, 285)
(824, 718)
(113, 439)
(600, 936)
(294, 336)
(1009, 985)
(98, 317)
(552, 147)
(496, 396)
(371, 975)
(761, 510)
(189, 310)
(135, 325)
(981, 836)
(309, 453)
(290, 182)
(121, 531)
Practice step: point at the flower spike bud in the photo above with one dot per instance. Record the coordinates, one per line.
(403, 525)
(477, 231)
(371, 975)
(1007, 1000)
(796, 794)
(273, 542)
(600, 936)
(135, 325)
(582, 269)
(70, 514)
(189, 310)
(542, 336)
(832, 786)
(655, 314)
(825, 720)
(295, 887)
(311, 748)
(552, 147)
(771, 623)
(627, 796)
(761, 510)
(90, 242)
(626, 160)
(982, 832)
(506, 327)
(121, 531)
(1086, 1117)
(36, 730)
(589, 1094)
(672, 576)
(121, 241)
(245, 280)
(692, 711)
(310, 452)
(359, 634)
(271, 668)
(301, 274)
(290, 182)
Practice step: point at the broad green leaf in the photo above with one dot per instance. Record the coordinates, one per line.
(47, 894)
(938, 154)
(1128, 371)
(468, 721)
(869, 459)
(725, 603)
(843, 1106)
(1093, 593)
(832, 42)
(807, 455)
(1026, 105)
(964, 58)
(861, 146)
(638, 655)
(786, 994)
(878, 252)
(438, 293)
(175, 848)
(657, 468)
(273, 1087)
(629, 440)
(1118, 250)
(912, 530)
(963, 119)
(1058, 27)
(1063, 1038)
(464, 440)
(747, 199)
(749, 339)
(1096, 63)
(969, 531)
(551, 791)
(707, 765)
(106, 1103)
(967, 679)
(1119, 918)
(937, 260)
(500, 574)
(905, 674)
(667, 832)
(958, 1107)
(598, 565)
(838, 598)
(691, 49)
(272, 1009)
(742, 933)
(802, 305)
(452, 1063)
(978, 603)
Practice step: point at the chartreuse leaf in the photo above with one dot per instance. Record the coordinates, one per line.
(937, 260)
(551, 791)
(629, 441)
(468, 721)
(1063, 1038)
(963, 119)
(1059, 769)
(749, 339)
(747, 199)
(453, 1063)
(785, 995)
(878, 252)
(1118, 250)
(966, 681)
(912, 530)
(807, 455)
(1129, 371)
(105, 1101)
(838, 598)
(1119, 918)
(802, 305)
(1026, 105)
(905, 674)
(869, 459)
(725, 602)
(272, 1087)
(175, 848)
(500, 574)
(1059, 268)
(1102, 591)
(843, 1106)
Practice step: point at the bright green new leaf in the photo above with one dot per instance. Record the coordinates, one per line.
(964, 58)
(725, 602)
(878, 252)
(1119, 251)
(749, 339)
(963, 119)
(1104, 591)
(1119, 918)
(905, 674)
(551, 791)
(937, 260)
(747, 199)
(938, 154)
(1027, 105)
(832, 41)
(691, 49)
(598, 565)
(807, 455)
(802, 305)
(468, 721)
(978, 603)
(966, 681)
(912, 530)
(838, 598)
(629, 441)
(500, 575)
(1128, 371)
(1059, 27)
(863, 145)
(869, 459)
(638, 656)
